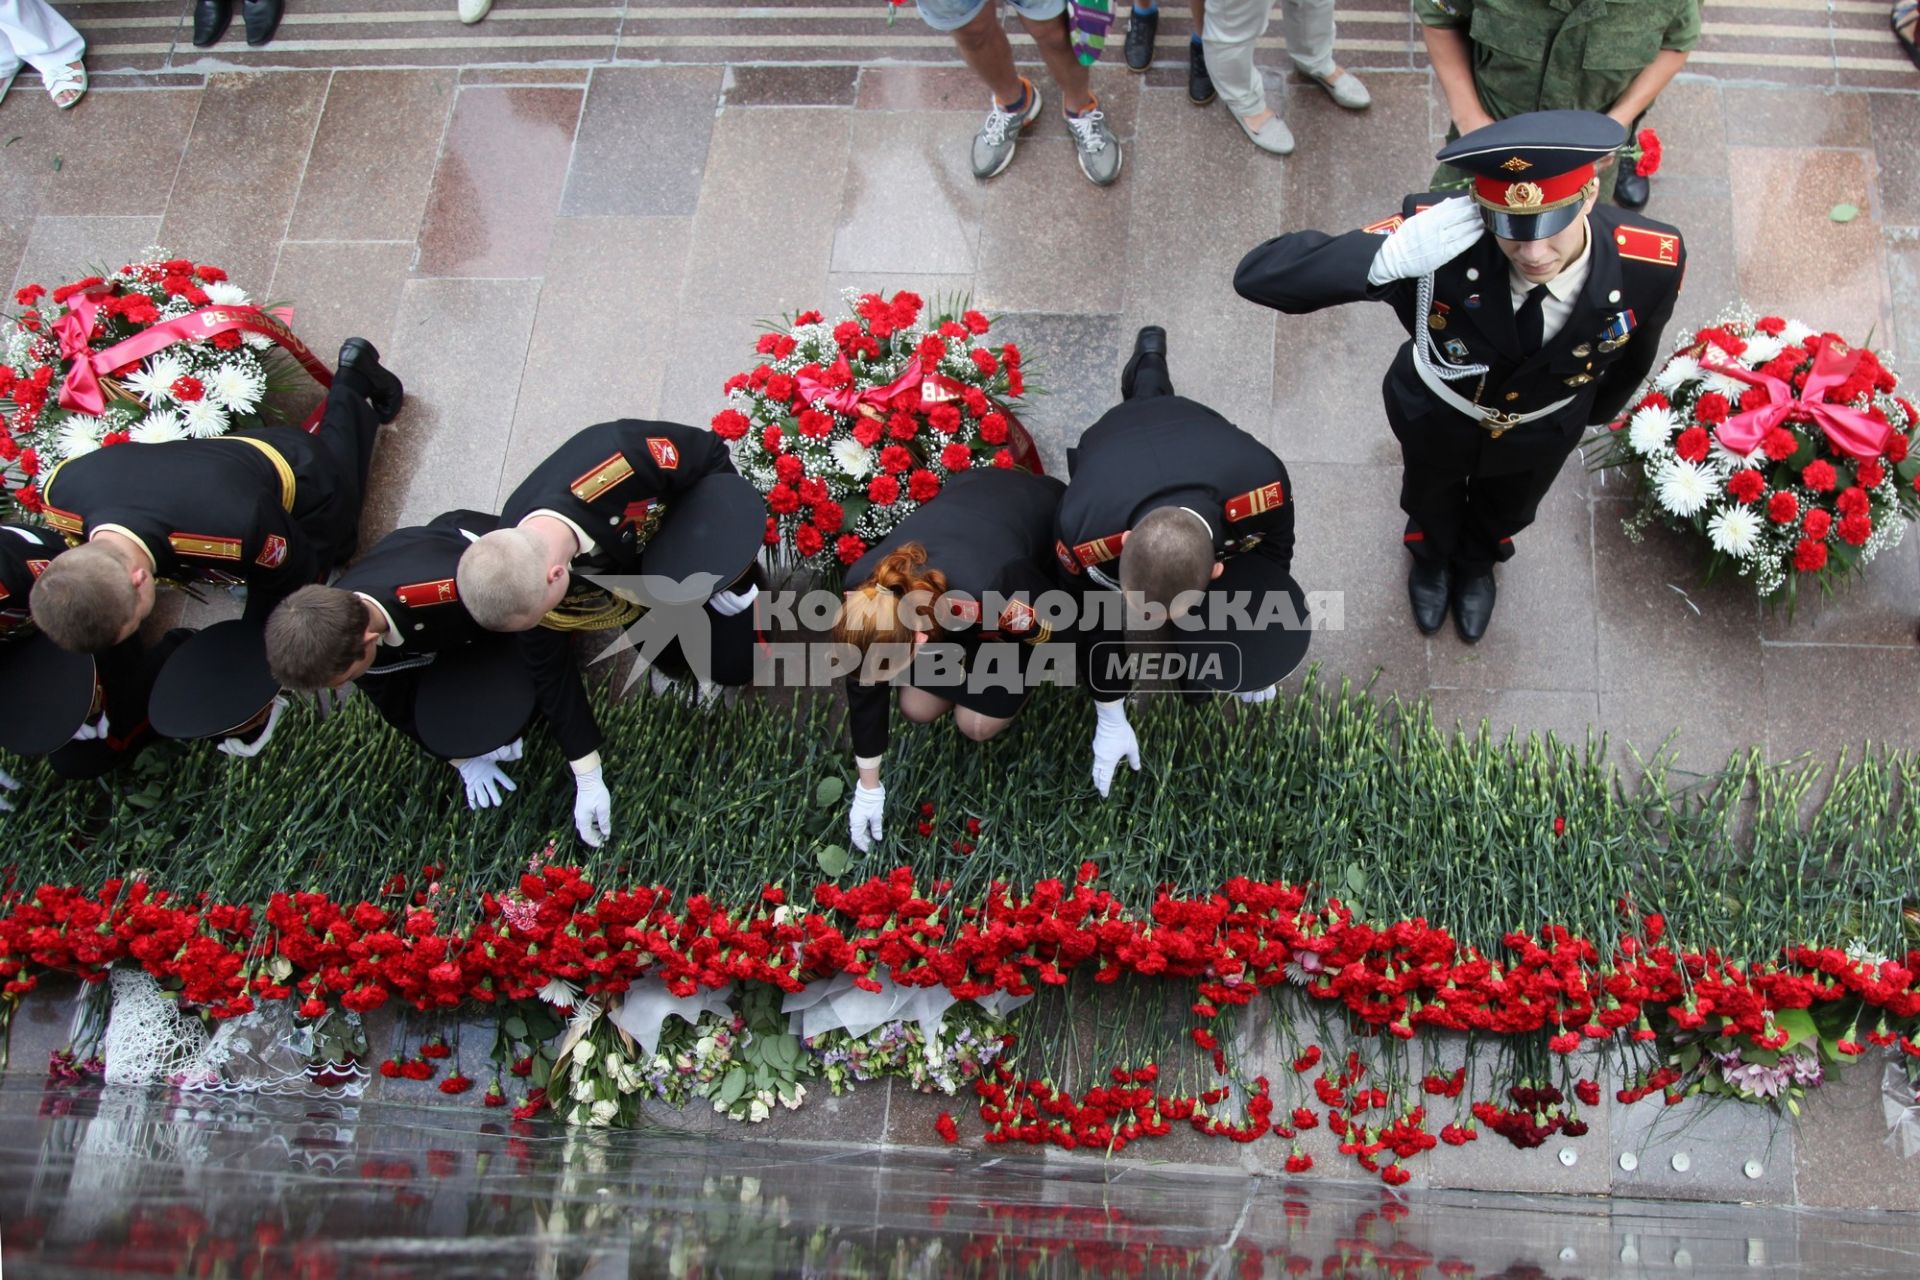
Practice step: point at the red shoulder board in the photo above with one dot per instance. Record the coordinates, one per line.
(194, 544)
(419, 595)
(1066, 557)
(1100, 550)
(273, 553)
(1384, 227)
(966, 612)
(601, 478)
(1643, 245)
(1017, 618)
(37, 567)
(64, 521)
(664, 452)
(1265, 498)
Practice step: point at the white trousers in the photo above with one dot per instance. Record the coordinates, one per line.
(1232, 27)
(31, 31)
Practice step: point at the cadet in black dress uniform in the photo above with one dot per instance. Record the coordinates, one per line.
(273, 509)
(621, 498)
(1179, 509)
(393, 626)
(1522, 338)
(947, 601)
(86, 713)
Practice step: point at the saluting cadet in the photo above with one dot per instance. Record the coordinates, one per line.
(1532, 313)
(393, 626)
(1178, 510)
(86, 714)
(945, 609)
(634, 498)
(271, 509)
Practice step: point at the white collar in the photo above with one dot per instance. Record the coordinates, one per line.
(393, 637)
(1567, 285)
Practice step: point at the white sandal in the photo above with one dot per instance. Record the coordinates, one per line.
(72, 77)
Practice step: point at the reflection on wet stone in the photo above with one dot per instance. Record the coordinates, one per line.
(97, 1181)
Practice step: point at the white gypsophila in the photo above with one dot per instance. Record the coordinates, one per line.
(1683, 487)
(1650, 428)
(1761, 347)
(78, 434)
(1795, 333)
(1735, 530)
(236, 386)
(853, 458)
(225, 293)
(1678, 372)
(159, 427)
(204, 419)
(153, 381)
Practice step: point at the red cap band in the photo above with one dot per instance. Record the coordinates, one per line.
(1527, 195)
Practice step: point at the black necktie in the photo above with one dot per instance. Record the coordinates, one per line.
(1531, 322)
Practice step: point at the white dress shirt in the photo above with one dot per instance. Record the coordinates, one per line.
(1562, 291)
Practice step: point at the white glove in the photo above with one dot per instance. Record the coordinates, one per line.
(89, 732)
(1256, 696)
(729, 603)
(864, 819)
(592, 807)
(247, 750)
(1112, 739)
(1429, 239)
(7, 783)
(485, 782)
(508, 753)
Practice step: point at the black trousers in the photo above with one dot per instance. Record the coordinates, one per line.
(1467, 494)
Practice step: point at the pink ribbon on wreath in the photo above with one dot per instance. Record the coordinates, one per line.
(843, 397)
(1850, 430)
(81, 390)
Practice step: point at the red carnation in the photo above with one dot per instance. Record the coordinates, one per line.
(436, 1049)
(780, 387)
(789, 469)
(993, 428)
(1711, 408)
(812, 490)
(456, 1083)
(1818, 476)
(1771, 325)
(1299, 1163)
(808, 540)
(1649, 162)
(845, 332)
(1810, 556)
(29, 295)
(922, 485)
(227, 341)
(1855, 529)
(1779, 443)
(1565, 1042)
(771, 439)
(975, 322)
(1897, 447)
(1692, 444)
(1782, 508)
(1870, 473)
(901, 426)
(947, 1129)
(1853, 501)
(806, 317)
(944, 418)
(186, 388)
(895, 459)
(312, 1008)
(828, 516)
(867, 432)
(931, 350)
(1003, 459)
(984, 362)
(1745, 485)
(883, 491)
(210, 274)
(1818, 523)
(782, 500)
(730, 424)
(815, 425)
(956, 457)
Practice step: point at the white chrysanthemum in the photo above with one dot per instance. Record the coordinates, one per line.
(153, 381)
(852, 457)
(1734, 530)
(78, 434)
(560, 992)
(1731, 388)
(1678, 373)
(224, 293)
(1795, 333)
(1762, 347)
(1683, 487)
(1650, 428)
(158, 427)
(203, 418)
(1725, 461)
(256, 341)
(236, 387)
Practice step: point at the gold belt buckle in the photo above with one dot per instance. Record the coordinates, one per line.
(1499, 423)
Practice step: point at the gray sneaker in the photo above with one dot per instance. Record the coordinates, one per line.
(1097, 148)
(993, 146)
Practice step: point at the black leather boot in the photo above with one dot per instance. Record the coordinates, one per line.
(360, 364)
(1146, 372)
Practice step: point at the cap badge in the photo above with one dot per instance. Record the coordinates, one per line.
(1514, 164)
(1525, 195)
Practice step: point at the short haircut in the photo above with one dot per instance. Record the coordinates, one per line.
(315, 636)
(1167, 553)
(84, 599)
(502, 578)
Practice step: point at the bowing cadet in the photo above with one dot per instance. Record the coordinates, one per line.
(1533, 314)
(654, 502)
(1181, 513)
(944, 608)
(270, 509)
(86, 713)
(393, 625)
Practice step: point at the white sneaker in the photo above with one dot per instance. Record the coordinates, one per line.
(471, 11)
